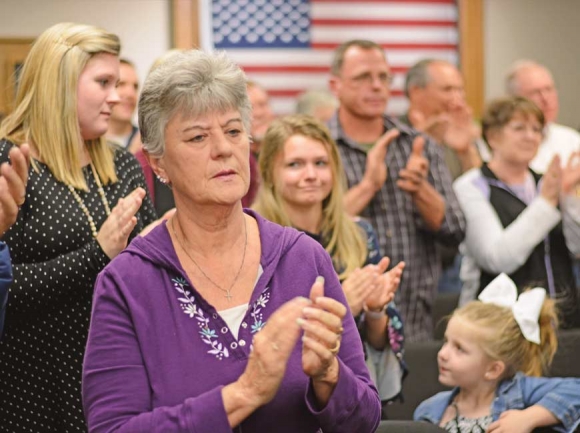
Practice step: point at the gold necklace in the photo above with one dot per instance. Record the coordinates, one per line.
(84, 208)
(228, 292)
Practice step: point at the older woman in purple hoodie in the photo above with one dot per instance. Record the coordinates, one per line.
(218, 320)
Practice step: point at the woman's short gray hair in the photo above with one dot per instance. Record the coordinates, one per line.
(193, 83)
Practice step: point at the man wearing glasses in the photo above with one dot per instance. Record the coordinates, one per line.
(396, 177)
(535, 82)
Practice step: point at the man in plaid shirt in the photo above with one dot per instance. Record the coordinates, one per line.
(397, 179)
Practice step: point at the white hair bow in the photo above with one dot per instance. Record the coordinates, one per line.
(503, 291)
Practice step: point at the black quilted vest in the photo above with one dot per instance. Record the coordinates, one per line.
(551, 254)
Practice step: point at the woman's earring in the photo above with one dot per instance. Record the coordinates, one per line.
(161, 179)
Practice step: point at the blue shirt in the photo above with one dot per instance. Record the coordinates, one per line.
(5, 281)
(561, 396)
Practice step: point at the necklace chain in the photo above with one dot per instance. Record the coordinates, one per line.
(84, 208)
(228, 292)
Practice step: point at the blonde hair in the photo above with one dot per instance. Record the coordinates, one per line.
(345, 241)
(46, 102)
(501, 337)
(309, 101)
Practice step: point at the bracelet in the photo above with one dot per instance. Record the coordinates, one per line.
(375, 314)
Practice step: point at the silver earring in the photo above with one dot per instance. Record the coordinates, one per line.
(161, 179)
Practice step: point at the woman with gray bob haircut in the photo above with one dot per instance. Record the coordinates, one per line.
(219, 320)
(191, 82)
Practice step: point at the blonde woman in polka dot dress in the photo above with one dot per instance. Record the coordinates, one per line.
(84, 202)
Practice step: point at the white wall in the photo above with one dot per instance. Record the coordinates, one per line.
(541, 30)
(142, 25)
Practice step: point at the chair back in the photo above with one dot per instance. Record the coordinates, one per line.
(408, 427)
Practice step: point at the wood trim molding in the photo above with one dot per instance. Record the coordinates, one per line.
(471, 52)
(24, 41)
(13, 52)
(184, 24)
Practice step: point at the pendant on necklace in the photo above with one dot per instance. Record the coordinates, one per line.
(228, 295)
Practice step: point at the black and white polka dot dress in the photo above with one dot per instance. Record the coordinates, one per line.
(55, 262)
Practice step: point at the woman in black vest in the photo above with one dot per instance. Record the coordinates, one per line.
(519, 222)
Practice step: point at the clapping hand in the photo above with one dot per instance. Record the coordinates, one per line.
(321, 320)
(376, 166)
(415, 172)
(272, 347)
(434, 126)
(114, 234)
(322, 325)
(552, 182)
(571, 174)
(358, 286)
(13, 179)
(388, 284)
(462, 130)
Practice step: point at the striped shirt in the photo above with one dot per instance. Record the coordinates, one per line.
(403, 235)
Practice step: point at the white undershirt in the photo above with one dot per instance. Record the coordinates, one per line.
(235, 315)
(233, 318)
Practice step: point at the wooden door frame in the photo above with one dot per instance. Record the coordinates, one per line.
(472, 53)
(16, 53)
(185, 32)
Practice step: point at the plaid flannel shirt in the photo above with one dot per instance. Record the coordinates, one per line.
(402, 233)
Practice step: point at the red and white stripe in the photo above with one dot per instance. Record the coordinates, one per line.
(409, 30)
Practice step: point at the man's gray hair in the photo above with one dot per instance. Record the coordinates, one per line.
(192, 83)
(309, 101)
(511, 79)
(418, 74)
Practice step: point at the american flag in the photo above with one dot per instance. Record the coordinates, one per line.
(286, 45)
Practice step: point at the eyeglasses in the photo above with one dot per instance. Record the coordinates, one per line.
(543, 91)
(367, 78)
(521, 127)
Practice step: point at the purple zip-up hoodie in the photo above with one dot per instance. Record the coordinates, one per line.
(158, 354)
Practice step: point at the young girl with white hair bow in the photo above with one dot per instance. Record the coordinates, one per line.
(494, 352)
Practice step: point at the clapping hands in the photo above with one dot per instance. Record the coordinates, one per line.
(372, 286)
(454, 128)
(388, 283)
(571, 174)
(552, 182)
(434, 126)
(13, 179)
(320, 318)
(114, 234)
(557, 180)
(415, 172)
(376, 166)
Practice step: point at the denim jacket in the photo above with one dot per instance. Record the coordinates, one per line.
(561, 396)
